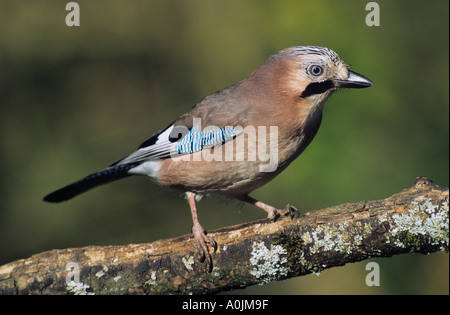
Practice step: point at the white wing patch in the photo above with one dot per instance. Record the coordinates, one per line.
(162, 148)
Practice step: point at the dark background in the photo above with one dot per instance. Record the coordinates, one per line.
(75, 99)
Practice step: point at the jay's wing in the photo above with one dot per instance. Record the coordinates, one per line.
(211, 122)
(222, 111)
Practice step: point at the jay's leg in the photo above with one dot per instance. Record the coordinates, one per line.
(272, 212)
(200, 236)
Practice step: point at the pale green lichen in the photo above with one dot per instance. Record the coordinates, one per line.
(424, 223)
(269, 264)
(358, 240)
(188, 262)
(152, 280)
(102, 272)
(78, 288)
(328, 237)
(217, 273)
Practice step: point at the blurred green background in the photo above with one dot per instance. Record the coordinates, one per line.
(75, 99)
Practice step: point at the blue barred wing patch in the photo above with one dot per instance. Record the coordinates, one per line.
(196, 140)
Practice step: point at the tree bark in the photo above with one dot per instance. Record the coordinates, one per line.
(413, 220)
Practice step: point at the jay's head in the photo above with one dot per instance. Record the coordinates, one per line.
(310, 73)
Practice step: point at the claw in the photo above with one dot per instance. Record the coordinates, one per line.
(292, 210)
(288, 210)
(274, 214)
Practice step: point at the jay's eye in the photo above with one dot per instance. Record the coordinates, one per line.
(315, 70)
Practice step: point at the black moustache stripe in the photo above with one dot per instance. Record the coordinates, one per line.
(317, 88)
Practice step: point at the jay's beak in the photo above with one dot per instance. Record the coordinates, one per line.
(355, 81)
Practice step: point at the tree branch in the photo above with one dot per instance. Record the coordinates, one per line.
(414, 220)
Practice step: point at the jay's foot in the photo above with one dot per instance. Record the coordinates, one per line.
(200, 236)
(272, 212)
(276, 213)
(201, 239)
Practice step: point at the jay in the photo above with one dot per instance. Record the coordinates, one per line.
(220, 146)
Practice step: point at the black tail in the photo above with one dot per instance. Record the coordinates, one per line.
(108, 175)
